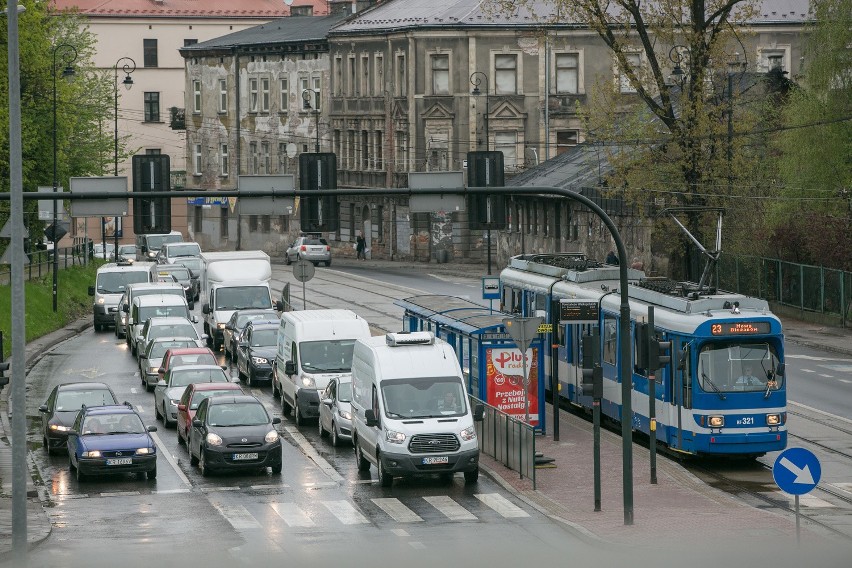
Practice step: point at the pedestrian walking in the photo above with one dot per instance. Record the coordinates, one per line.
(611, 258)
(361, 246)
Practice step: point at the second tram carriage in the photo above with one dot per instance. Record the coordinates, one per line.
(706, 404)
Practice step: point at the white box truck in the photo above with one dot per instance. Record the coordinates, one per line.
(410, 410)
(230, 281)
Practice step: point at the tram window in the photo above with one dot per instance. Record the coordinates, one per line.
(507, 299)
(560, 335)
(637, 345)
(737, 367)
(540, 302)
(610, 333)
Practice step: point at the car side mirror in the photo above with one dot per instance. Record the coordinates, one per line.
(289, 368)
(73, 433)
(161, 371)
(205, 309)
(279, 306)
(197, 423)
(328, 402)
(42, 408)
(370, 417)
(182, 407)
(194, 319)
(229, 327)
(478, 413)
(151, 428)
(224, 367)
(782, 368)
(161, 383)
(125, 308)
(243, 344)
(91, 290)
(142, 356)
(276, 420)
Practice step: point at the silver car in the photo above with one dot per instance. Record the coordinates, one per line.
(335, 411)
(169, 391)
(312, 248)
(152, 359)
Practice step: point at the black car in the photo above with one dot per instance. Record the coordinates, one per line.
(235, 326)
(231, 433)
(195, 267)
(61, 408)
(256, 351)
(182, 275)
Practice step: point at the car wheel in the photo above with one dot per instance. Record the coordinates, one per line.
(328, 263)
(149, 388)
(97, 327)
(166, 422)
(335, 440)
(322, 431)
(275, 393)
(71, 463)
(385, 479)
(276, 469)
(249, 379)
(156, 413)
(363, 464)
(287, 260)
(192, 459)
(46, 445)
(297, 414)
(285, 406)
(152, 474)
(202, 465)
(471, 476)
(80, 476)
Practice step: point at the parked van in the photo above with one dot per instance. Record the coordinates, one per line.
(111, 281)
(145, 289)
(314, 346)
(154, 306)
(410, 411)
(147, 246)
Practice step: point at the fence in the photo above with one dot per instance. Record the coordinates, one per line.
(507, 440)
(41, 262)
(814, 289)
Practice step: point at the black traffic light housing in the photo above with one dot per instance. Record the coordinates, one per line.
(659, 353)
(592, 384)
(318, 171)
(4, 380)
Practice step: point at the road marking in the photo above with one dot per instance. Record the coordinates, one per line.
(364, 481)
(133, 390)
(309, 451)
(808, 371)
(450, 508)
(847, 487)
(417, 545)
(844, 381)
(317, 484)
(118, 493)
(271, 486)
(502, 505)
(826, 376)
(169, 457)
(396, 510)
(345, 512)
(140, 409)
(237, 515)
(811, 502)
(64, 496)
(171, 491)
(217, 489)
(400, 532)
(292, 515)
(818, 411)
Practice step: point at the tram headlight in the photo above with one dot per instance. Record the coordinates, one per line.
(716, 421)
(773, 419)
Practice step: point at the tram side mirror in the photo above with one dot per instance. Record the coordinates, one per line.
(782, 367)
(681, 362)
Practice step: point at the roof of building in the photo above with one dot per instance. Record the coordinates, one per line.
(406, 14)
(177, 8)
(282, 30)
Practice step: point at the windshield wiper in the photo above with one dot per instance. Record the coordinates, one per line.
(715, 388)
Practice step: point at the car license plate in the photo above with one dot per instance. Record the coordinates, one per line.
(436, 460)
(120, 461)
(245, 457)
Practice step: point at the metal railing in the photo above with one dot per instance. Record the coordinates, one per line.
(507, 440)
(41, 262)
(807, 288)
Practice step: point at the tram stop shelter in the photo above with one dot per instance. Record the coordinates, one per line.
(489, 358)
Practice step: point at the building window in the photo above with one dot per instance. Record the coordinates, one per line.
(507, 142)
(196, 96)
(253, 159)
(401, 155)
(264, 94)
(316, 85)
(366, 85)
(770, 59)
(152, 107)
(565, 139)
(567, 73)
(380, 223)
(351, 220)
(350, 86)
(284, 104)
(253, 223)
(196, 160)
(188, 42)
(350, 149)
(365, 150)
(282, 157)
(197, 218)
(440, 74)
(149, 50)
(223, 222)
(223, 95)
(380, 72)
(301, 10)
(253, 95)
(506, 74)
(634, 60)
(380, 155)
(223, 159)
(338, 76)
(153, 151)
(283, 223)
(265, 163)
(265, 223)
(401, 77)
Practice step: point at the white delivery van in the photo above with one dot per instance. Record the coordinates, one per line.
(314, 346)
(111, 281)
(410, 411)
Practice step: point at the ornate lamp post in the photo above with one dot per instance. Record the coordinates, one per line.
(306, 105)
(67, 73)
(476, 78)
(128, 67)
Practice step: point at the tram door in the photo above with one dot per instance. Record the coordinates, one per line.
(678, 389)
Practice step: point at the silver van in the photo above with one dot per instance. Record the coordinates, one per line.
(145, 289)
(111, 282)
(154, 306)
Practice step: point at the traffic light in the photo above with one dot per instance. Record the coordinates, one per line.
(4, 380)
(318, 171)
(659, 353)
(485, 169)
(592, 384)
(151, 172)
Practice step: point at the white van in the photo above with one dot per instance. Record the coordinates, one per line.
(410, 411)
(111, 282)
(314, 346)
(145, 289)
(154, 306)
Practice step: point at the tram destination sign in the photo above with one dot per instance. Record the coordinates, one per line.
(740, 328)
(578, 311)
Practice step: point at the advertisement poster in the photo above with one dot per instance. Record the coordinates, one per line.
(504, 373)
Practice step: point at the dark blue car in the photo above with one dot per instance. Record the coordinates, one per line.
(111, 439)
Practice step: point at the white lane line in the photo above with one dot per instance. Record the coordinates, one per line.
(271, 486)
(169, 458)
(417, 545)
(811, 502)
(140, 409)
(217, 489)
(826, 376)
(312, 484)
(237, 515)
(118, 493)
(502, 505)
(400, 532)
(844, 381)
(396, 510)
(449, 508)
(133, 391)
(309, 451)
(171, 491)
(292, 515)
(345, 512)
(847, 487)
(808, 371)
(66, 496)
(364, 481)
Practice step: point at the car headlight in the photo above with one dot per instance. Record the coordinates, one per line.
(468, 434)
(260, 360)
(123, 320)
(773, 419)
(716, 421)
(394, 437)
(220, 326)
(151, 254)
(101, 301)
(214, 439)
(173, 402)
(153, 370)
(92, 454)
(308, 382)
(59, 428)
(271, 437)
(344, 414)
(144, 451)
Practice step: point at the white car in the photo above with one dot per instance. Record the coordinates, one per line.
(98, 251)
(169, 391)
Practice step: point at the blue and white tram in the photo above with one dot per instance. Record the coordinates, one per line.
(707, 403)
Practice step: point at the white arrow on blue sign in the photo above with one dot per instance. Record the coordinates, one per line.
(796, 471)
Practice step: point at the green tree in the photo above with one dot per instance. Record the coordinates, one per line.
(83, 106)
(812, 220)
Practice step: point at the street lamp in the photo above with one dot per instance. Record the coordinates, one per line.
(306, 105)
(476, 78)
(734, 66)
(128, 67)
(67, 73)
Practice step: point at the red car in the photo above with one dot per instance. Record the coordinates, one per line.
(186, 356)
(192, 397)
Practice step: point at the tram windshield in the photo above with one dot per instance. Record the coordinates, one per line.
(738, 367)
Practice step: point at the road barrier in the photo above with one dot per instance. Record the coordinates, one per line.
(41, 262)
(507, 440)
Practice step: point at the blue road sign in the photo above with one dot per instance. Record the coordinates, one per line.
(796, 471)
